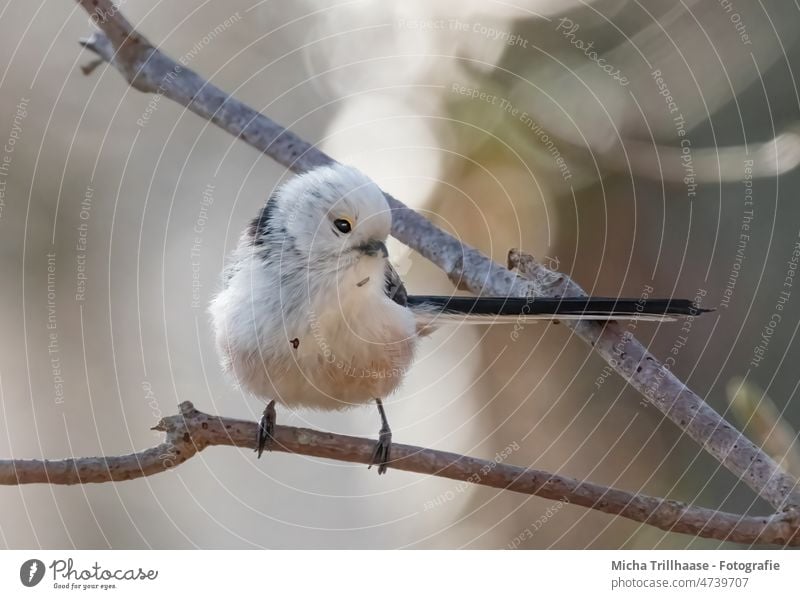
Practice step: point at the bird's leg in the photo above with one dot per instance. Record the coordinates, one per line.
(383, 447)
(266, 428)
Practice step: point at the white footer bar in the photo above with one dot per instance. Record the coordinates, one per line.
(390, 574)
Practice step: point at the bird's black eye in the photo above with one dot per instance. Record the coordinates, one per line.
(343, 225)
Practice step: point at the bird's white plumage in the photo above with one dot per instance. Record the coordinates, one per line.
(304, 318)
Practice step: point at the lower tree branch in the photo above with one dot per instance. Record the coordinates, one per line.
(192, 431)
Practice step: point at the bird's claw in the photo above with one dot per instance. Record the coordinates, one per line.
(381, 455)
(266, 429)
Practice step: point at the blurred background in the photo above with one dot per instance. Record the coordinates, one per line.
(636, 145)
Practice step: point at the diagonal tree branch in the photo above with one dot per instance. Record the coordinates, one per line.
(149, 70)
(191, 431)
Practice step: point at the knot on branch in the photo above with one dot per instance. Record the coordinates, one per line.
(129, 57)
(182, 427)
(791, 516)
(543, 281)
(195, 430)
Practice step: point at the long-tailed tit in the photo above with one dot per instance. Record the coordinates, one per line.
(313, 315)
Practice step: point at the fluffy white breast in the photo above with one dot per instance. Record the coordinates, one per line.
(325, 346)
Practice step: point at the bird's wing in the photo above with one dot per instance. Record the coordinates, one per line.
(395, 290)
(252, 239)
(260, 226)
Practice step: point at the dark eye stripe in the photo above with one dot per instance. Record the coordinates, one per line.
(342, 225)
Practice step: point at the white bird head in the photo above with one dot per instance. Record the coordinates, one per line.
(332, 215)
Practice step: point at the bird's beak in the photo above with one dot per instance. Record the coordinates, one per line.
(374, 247)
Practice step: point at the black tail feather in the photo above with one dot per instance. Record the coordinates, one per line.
(572, 306)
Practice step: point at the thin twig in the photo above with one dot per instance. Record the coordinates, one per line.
(192, 431)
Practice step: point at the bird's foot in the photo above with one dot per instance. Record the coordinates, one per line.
(381, 455)
(266, 429)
